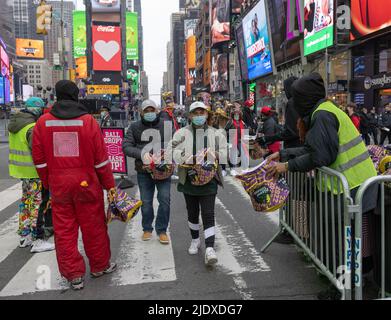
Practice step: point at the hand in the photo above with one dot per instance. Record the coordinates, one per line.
(277, 168)
(112, 194)
(147, 159)
(273, 157)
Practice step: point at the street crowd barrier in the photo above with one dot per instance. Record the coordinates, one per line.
(327, 223)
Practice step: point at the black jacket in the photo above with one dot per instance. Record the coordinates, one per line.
(373, 120)
(133, 144)
(250, 119)
(385, 119)
(364, 123)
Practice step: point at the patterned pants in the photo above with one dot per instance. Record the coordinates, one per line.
(29, 208)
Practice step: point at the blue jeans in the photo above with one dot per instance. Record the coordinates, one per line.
(147, 191)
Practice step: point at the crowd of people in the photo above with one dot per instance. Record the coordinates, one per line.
(63, 152)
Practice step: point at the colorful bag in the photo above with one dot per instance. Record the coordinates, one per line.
(158, 169)
(203, 171)
(377, 154)
(268, 193)
(121, 206)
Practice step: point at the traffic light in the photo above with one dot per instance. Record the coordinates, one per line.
(44, 17)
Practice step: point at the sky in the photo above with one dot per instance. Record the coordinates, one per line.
(156, 27)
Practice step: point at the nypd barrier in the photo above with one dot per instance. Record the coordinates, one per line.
(381, 236)
(318, 215)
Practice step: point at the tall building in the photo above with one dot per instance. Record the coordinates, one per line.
(24, 14)
(7, 28)
(39, 74)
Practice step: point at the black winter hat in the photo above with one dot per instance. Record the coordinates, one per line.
(67, 90)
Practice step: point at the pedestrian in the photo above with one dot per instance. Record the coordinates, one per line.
(250, 117)
(351, 110)
(385, 125)
(373, 125)
(187, 143)
(72, 162)
(105, 118)
(133, 147)
(364, 126)
(332, 141)
(31, 213)
(270, 128)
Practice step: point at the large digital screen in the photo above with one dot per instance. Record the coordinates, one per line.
(28, 48)
(257, 42)
(242, 52)
(106, 5)
(369, 17)
(318, 25)
(106, 48)
(1, 90)
(131, 36)
(220, 20)
(79, 34)
(219, 74)
(7, 91)
(285, 50)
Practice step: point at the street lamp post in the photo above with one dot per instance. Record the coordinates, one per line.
(64, 74)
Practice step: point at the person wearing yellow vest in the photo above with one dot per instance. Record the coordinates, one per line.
(21, 166)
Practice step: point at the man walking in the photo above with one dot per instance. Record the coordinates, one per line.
(133, 146)
(385, 125)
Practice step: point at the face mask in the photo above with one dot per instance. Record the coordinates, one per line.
(150, 117)
(102, 115)
(236, 117)
(199, 120)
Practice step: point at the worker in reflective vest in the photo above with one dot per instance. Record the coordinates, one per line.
(21, 166)
(331, 139)
(72, 161)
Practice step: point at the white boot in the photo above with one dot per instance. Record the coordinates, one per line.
(210, 257)
(194, 246)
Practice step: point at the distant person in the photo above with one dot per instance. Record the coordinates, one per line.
(385, 125)
(364, 126)
(373, 125)
(351, 110)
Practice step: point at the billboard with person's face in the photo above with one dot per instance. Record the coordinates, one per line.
(79, 34)
(106, 48)
(369, 17)
(131, 36)
(318, 25)
(220, 20)
(219, 74)
(257, 42)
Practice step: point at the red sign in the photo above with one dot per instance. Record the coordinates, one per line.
(113, 139)
(106, 43)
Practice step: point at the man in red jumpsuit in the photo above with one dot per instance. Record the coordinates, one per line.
(72, 161)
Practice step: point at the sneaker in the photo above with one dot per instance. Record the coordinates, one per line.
(110, 269)
(233, 173)
(77, 284)
(163, 238)
(26, 241)
(210, 257)
(147, 236)
(224, 173)
(42, 246)
(194, 246)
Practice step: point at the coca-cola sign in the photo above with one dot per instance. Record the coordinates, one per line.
(106, 48)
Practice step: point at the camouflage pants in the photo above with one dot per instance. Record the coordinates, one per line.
(29, 208)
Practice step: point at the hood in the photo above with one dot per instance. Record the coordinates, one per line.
(68, 109)
(67, 90)
(288, 86)
(19, 121)
(307, 92)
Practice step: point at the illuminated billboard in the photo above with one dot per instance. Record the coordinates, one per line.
(219, 74)
(79, 34)
(106, 48)
(106, 5)
(131, 36)
(28, 48)
(220, 13)
(257, 42)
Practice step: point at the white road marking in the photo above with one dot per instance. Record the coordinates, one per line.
(9, 238)
(143, 262)
(10, 195)
(3, 147)
(273, 217)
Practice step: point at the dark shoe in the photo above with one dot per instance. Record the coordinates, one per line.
(284, 238)
(77, 284)
(110, 269)
(331, 293)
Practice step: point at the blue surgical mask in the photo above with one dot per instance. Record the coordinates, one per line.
(199, 120)
(150, 116)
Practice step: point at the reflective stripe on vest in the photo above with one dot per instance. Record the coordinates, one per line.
(353, 159)
(20, 161)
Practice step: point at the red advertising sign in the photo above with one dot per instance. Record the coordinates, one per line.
(106, 43)
(113, 138)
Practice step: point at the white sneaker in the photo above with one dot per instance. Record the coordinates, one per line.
(26, 241)
(233, 173)
(224, 173)
(194, 246)
(210, 257)
(42, 246)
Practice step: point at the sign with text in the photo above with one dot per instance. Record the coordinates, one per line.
(106, 43)
(102, 89)
(131, 36)
(113, 138)
(79, 34)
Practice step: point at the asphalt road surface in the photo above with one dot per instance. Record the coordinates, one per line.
(149, 270)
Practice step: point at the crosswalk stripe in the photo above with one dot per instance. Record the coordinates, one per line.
(143, 262)
(8, 237)
(10, 195)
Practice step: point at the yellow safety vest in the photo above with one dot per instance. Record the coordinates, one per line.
(21, 164)
(353, 159)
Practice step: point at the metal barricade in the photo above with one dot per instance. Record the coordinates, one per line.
(383, 210)
(318, 215)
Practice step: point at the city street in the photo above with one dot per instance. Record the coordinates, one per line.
(148, 270)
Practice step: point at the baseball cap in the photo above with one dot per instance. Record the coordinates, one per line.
(197, 105)
(266, 111)
(148, 103)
